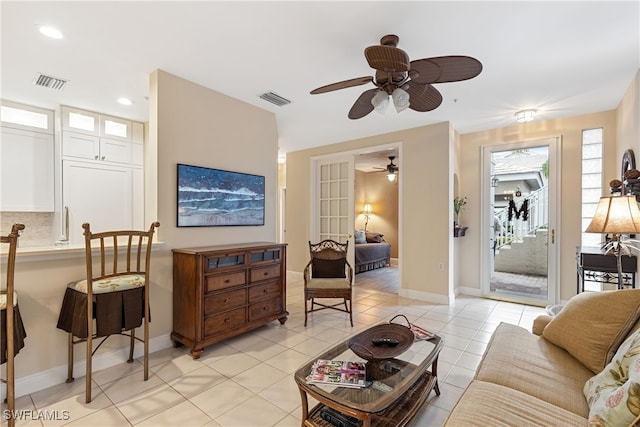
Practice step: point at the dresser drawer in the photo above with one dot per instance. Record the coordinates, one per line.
(258, 274)
(268, 290)
(224, 301)
(215, 283)
(224, 322)
(265, 309)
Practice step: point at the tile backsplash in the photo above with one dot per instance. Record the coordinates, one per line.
(39, 227)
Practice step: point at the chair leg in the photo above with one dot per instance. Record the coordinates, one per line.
(89, 352)
(305, 312)
(70, 359)
(351, 312)
(146, 346)
(11, 396)
(131, 344)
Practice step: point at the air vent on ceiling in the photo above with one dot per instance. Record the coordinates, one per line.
(50, 82)
(274, 98)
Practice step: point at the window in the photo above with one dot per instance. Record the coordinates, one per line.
(26, 117)
(591, 181)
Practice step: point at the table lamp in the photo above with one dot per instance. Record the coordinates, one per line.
(366, 211)
(616, 215)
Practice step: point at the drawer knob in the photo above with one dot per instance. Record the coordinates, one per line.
(227, 320)
(265, 308)
(226, 300)
(264, 291)
(227, 280)
(266, 273)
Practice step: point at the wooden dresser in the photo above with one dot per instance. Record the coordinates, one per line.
(222, 291)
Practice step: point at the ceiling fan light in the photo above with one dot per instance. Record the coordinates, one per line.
(380, 101)
(391, 177)
(525, 116)
(400, 99)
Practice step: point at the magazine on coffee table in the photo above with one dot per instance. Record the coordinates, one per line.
(339, 373)
(421, 333)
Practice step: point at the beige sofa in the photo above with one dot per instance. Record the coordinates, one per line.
(538, 379)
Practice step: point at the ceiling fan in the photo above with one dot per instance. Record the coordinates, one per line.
(409, 83)
(391, 169)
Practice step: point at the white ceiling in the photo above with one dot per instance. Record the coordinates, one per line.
(560, 58)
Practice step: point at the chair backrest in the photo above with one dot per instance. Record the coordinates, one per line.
(328, 249)
(12, 240)
(121, 252)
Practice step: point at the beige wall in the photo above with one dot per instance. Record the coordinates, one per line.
(375, 188)
(425, 220)
(628, 115)
(569, 227)
(188, 124)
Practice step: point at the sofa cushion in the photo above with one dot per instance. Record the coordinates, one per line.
(517, 359)
(592, 325)
(374, 237)
(359, 237)
(485, 404)
(614, 394)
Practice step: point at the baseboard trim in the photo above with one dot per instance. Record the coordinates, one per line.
(58, 375)
(463, 290)
(424, 296)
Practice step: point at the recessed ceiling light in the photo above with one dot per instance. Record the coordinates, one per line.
(125, 101)
(51, 32)
(525, 116)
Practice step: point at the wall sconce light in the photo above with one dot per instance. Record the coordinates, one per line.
(525, 116)
(494, 181)
(366, 211)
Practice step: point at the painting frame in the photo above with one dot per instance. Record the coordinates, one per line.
(211, 197)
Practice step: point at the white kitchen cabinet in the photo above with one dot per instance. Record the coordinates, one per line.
(27, 171)
(100, 194)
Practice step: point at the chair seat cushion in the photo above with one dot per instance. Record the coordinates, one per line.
(112, 284)
(113, 311)
(3, 300)
(19, 333)
(328, 283)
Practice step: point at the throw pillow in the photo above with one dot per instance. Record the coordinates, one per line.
(359, 237)
(592, 325)
(373, 237)
(613, 395)
(328, 268)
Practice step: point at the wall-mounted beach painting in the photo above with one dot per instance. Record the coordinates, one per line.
(213, 197)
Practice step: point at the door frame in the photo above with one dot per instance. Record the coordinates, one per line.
(313, 193)
(555, 205)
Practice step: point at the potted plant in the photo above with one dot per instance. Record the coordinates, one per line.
(458, 203)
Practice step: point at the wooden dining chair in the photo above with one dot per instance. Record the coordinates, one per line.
(328, 274)
(114, 295)
(13, 332)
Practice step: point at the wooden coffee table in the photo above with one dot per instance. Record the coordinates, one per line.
(396, 388)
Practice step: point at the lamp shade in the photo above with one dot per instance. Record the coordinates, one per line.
(616, 215)
(400, 99)
(367, 209)
(391, 177)
(380, 101)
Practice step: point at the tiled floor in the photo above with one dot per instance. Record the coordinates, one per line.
(248, 380)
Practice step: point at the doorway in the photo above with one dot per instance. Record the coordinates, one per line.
(520, 212)
(335, 205)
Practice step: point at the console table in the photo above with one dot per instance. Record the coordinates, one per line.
(594, 266)
(222, 291)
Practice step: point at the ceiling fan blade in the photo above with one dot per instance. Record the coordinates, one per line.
(387, 58)
(343, 85)
(422, 97)
(445, 69)
(363, 105)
